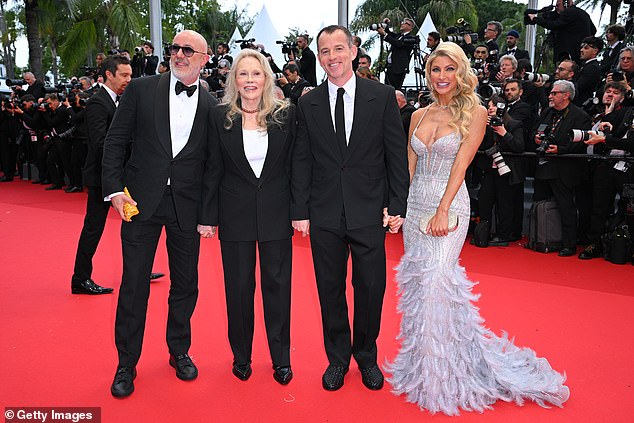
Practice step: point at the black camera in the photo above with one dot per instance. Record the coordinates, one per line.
(546, 139)
(376, 26)
(12, 82)
(247, 44)
(456, 33)
(543, 11)
(488, 89)
(288, 48)
(617, 76)
(114, 52)
(497, 119)
(89, 70)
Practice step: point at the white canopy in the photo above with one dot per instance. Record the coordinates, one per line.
(426, 27)
(234, 48)
(265, 33)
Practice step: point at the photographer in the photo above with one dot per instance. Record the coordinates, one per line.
(307, 62)
(568, 24)
(558, 176)
(8, 138)
(144, 62)
(479, 63)
(292, 84)
(608, 176)
(501, 174)
(491, 33)
(625, 69)
(58, 143)
(78, 140)
(36, 87)
(590, 74)
(402, 45)
(508, 67)
(511, 45)
(222, 52)
(33, 126)
(218, 77)
(614, 34)
(433, 40)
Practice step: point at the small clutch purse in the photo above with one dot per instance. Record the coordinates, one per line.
(128, 209)
(425, 218)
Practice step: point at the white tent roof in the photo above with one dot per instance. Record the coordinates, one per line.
(265, 33)
(321, 75)
(426, 27)
(234, 48)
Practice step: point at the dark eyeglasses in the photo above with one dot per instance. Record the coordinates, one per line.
(406, 23)
(556, 92)
(187, 51)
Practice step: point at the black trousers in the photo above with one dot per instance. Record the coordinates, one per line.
(238, 260)
(76, 159)
(8, 154)
(495, 189)
(331, 248)
(564, 196)
(139, 241)
(518, 208)
(94, 223)
(606, 183)
(394, 79)
(54, 162)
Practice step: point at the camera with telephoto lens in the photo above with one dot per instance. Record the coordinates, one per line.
(12, 82)
(250, 43)
(546, 139)
(581, 135)
(488, 89)
(279, 75)
(536, 77)
(498, 160)
(376, 26)
(288, 48)
(616, 76)
(456, 33)
(499, 113)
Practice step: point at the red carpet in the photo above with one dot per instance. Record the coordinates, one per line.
(58, 349)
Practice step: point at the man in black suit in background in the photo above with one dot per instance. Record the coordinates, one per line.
(511, 45)
(398, 59)
(589, 75)
(308, 62)
(99, 112)
(614, 35)
(168, 120)
(353, 183)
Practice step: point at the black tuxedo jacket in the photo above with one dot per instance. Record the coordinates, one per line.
(371, 173)
(402, 46)
(250, 208)
(142, 119)
(513, 141)
(523, 113)
(611, 59)
(307, 66)
(518, 54)
(587, 82)
(99, 112)
(568, 29)
(568, 170)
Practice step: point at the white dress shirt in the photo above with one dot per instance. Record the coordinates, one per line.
(348, 103)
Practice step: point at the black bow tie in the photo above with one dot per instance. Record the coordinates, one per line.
(180, 87)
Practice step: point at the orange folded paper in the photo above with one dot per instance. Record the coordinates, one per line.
(128, 209)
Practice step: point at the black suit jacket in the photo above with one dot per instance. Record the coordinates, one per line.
(513, 142)
(99, 112)
(250, 208)
(402, 46)
(307, 66)
(587, 82)
(142, 118)
(568, 170)
(611, 59)
(371, 173)
(519, 54)
(36, 90)
(568, 29)
(523, 113)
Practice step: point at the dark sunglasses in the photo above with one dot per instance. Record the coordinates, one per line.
(187, 51)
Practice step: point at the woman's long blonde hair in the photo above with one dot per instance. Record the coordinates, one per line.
(271, 109)
(465, 99)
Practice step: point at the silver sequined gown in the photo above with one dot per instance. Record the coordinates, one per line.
(448, 359)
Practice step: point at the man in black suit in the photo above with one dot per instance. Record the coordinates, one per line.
(307, 62)
(168, 120)
(614, 34)
(99, 112)
(569, 25)
(36, 87)
(557, 176)
(491, 34)
(590, 73)
(292, 84)
(406, 111)
(511, 45)
(144, 62)
(398, 59)
(353, 183)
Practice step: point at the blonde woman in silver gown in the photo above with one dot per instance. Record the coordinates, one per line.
(448, 359)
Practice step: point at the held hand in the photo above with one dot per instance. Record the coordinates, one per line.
(302, 226)
(206, 231)
(381, 31)
(605, 125)
(595, 139)
(118, 201)
(552, 148)
(467, 39)
(439, 224)
(395, 223)
(608, 78)
(500, 130)
(500, 76)
(538, 140)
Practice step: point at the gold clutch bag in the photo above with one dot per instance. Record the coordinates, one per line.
(425, 218)
(128, 209)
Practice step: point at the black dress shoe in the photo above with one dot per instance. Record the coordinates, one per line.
(45, 181)
(35, 181)
(156, 275)
(282, 374)
(498, 242)
(333, 377)
(242, 371)
(53, 187)
(567, 252)
(88, 286)
(71, 190)
(372, 377)
(123, 384)
(185, 367)
(6, 179)
(590, 252)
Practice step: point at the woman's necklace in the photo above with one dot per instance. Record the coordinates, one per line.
(249, 110)
(441, 107)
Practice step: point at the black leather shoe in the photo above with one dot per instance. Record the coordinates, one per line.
(35, 181)
(590, 252)
(6, 179)
(123, 384)
(71, 190)
(567, 252)
(333, 377)
(53, 187)
(45, 182)
(282, 374)
(372, 378)
(498, 242)
(242, 371)
(156, 275)
(87, 287)
(185, 367)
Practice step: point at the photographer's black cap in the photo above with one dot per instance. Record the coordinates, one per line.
(594, 42)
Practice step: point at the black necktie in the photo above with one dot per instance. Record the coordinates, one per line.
(180, 87)
(340, 121)
(116, 100)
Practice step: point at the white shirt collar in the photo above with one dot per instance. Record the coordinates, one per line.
(350, 87)
(111, 93)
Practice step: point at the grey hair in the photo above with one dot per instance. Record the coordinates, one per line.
(566, 86)
(509, 57)
(498, 26)
(623, 50)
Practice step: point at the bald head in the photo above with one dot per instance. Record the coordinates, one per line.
(187, 68)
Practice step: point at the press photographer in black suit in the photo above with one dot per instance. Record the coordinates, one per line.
(57, 142)
(99, 113)
(292, 84)
(568, 24)
(589, 75)
(614, 34)
(511, 45)
(558, 176)
(307, 62)
(399, 56)
(144, 62)
(491, 34)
